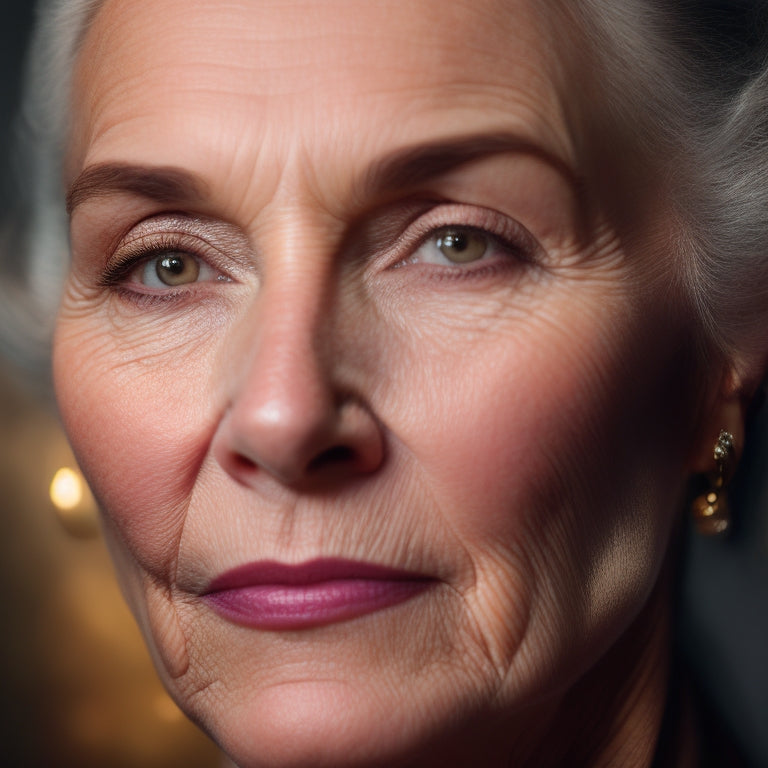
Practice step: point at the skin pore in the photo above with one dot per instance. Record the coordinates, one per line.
(338, 291)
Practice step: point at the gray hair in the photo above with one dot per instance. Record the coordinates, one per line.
(646, 77)
(34, 252)
(705, 117)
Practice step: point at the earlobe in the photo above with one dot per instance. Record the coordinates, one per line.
(718, 449)
(728, 409)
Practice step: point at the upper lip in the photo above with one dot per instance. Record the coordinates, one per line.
(270, 572)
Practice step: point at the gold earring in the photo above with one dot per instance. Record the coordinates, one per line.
(710, 510)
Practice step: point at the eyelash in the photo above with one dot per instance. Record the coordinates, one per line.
(502, 234)
(514, 240)
(138, 254)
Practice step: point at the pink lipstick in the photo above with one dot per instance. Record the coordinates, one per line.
(271, 595)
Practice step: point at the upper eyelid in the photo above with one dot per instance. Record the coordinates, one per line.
(153, 244)
(221, 245)
(211, 237)
(131, 257)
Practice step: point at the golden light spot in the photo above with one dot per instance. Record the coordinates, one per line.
(66, 489)
(74, 504)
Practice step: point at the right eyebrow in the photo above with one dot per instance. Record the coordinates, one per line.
(162, 184)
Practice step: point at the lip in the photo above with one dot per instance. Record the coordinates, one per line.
(272, 595)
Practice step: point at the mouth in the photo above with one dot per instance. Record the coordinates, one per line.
(277, 596)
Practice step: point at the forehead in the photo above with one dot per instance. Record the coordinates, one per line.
(157, 80)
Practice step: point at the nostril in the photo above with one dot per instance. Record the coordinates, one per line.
(336, 455)
(243, 463)
(317, 448)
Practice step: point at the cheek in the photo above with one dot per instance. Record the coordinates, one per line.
(558, 466)
(139, 429)
(497, 418)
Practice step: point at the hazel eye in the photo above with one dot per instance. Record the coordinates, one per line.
(454, 245)
(171, 269)
(461, 246)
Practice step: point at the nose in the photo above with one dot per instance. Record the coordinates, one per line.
(289, 414)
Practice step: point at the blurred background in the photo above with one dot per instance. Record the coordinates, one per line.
(78, 688)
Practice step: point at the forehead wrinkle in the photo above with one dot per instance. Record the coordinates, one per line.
(269, 128)
(351, 42)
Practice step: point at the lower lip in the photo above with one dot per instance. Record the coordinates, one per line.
(292, 606)
(269, 595)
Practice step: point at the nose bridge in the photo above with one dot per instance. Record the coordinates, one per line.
(294, 306)
(285, 374)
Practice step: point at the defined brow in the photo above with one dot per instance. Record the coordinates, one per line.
(162, 184)
(403, 169)
(406, 168)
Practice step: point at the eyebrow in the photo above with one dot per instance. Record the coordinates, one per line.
(163, 184)
(406, 168)
(402, 169)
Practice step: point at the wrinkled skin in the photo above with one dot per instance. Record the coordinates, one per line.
(518, 427)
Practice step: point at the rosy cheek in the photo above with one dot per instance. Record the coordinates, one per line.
(140, 436)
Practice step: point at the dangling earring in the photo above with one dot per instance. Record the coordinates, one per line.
(710, 510)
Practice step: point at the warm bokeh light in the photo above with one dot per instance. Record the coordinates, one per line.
(75, 507)
(66, 489)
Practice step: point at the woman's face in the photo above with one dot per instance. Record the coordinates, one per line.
(387, 422)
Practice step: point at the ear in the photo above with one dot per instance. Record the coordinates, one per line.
(726, 411)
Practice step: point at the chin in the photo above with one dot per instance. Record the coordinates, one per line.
(315, 724)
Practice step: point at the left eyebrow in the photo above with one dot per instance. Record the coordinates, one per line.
(163, 184)
(411, 166)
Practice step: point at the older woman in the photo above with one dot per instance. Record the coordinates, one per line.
(392, 336)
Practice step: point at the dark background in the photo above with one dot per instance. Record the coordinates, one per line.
(15, 23)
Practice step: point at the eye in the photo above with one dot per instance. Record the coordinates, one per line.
(460, 245)
(172, 269)
(456, 245)
(174, 256)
